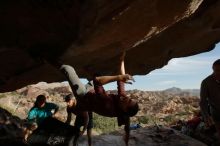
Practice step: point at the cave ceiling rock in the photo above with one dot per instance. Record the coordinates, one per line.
(90, 35)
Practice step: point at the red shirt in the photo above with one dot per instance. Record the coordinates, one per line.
(100, 102)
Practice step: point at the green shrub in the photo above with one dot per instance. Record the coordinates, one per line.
(104, 124)
(169, 118)
(144, 119)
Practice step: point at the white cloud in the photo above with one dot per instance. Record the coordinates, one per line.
(184, 64)
(169, 82)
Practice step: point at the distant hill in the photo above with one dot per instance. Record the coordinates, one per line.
(173, 90)
(152, 103)
(179, 91)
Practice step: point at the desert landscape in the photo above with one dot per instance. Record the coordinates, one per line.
(91, 35)
(157, 109)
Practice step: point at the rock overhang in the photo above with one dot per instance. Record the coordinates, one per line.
(90, 35)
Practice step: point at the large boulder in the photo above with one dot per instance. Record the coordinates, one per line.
(53, 132)
(149, 136)
(90, 35)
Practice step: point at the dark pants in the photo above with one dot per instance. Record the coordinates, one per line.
(79, 122)
(52, 132)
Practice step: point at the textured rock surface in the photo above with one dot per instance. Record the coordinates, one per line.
(12, 129)
(91, 34)
(146, 137)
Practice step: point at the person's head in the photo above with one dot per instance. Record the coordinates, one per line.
(216, 69)
(40, 101)
(70, 100)
(130, 107)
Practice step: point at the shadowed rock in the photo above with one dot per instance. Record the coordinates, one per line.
(55, 133)
(90, 35)
(51, 132)
(150, 136)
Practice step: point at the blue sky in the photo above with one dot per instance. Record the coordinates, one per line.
(185, 73)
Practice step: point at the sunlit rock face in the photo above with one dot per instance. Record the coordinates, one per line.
(90, 35)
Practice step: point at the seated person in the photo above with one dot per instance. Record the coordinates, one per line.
(92, 97)
(39, 112)
(83, 118)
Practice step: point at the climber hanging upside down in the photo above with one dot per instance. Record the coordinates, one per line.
(92, 96)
